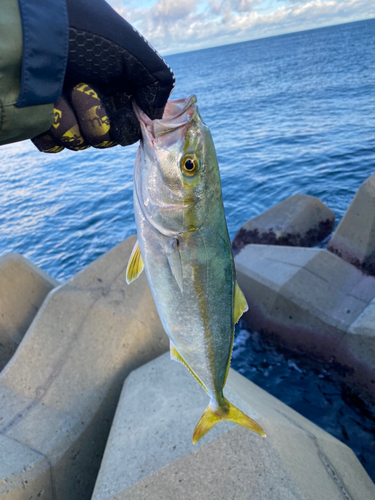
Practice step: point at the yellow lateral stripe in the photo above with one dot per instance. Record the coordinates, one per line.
(135, 264)
(177, 356)
(230, 358)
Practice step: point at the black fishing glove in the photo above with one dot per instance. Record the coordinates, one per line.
(109, 64)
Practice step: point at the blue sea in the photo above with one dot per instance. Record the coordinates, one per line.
(288, 114)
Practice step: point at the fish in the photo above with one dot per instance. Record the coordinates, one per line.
(184, 247)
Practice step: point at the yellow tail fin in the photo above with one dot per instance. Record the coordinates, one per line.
(231, 413)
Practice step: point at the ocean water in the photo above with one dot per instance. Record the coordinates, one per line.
(288, 114)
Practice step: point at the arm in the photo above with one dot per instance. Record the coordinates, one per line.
(26, 93)
(99, 65)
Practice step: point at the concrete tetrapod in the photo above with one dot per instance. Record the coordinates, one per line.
(354, 238)
(149, 453)
(60, 390)
(23, 288)
(314, 303)
(300, 220)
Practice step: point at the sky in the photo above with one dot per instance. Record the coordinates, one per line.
(173, 26)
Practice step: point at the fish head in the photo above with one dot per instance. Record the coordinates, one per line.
(176, 173)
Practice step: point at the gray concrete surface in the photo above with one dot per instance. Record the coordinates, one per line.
(354, 238)
(149, 454)
(300, 220)
(60, 390)
(23, 288)
(314, 303)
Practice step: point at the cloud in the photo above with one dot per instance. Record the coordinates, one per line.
(181, 25)
(172, 10)
(219, 7)
(215, 6)
(296, 1)
(244, 5)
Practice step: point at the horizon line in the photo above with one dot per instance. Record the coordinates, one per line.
(270, 36)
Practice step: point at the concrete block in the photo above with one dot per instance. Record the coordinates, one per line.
(59, 392)
(23, 288)
(310, 300)
(149, 453)
(300, 220)
(360, 340)
(354, 238)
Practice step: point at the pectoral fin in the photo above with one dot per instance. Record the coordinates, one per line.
(240, 304)
(135, 264)
(176, 356)
(174, 260)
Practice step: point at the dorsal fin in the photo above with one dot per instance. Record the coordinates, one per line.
(135, 264)
(240, 305)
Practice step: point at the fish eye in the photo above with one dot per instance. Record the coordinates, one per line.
(189, 164)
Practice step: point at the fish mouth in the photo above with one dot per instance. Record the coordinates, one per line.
(159, 136)
(176, 114)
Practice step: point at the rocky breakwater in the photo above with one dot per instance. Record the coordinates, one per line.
(354, 238)
(59, 391)
(314, 303)
(150, 456)
(23, 288)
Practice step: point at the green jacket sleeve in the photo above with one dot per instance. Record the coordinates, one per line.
(16, 123)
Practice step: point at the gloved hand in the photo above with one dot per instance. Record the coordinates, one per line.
(109, 64)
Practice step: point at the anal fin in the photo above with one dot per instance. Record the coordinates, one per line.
(135, 264)
(176, 356)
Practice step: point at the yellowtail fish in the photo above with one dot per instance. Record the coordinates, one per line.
(184, 246)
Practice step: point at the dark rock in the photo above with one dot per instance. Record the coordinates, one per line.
(300, 220)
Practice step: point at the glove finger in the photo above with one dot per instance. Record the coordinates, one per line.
(46, 143)
(152, 99)
(92, 116)
(125, 128)
(65, 129)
